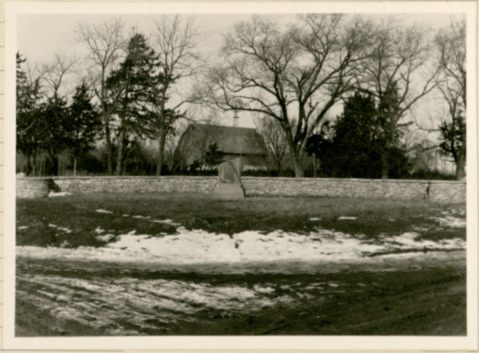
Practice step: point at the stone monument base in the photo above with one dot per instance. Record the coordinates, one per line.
(229, 191)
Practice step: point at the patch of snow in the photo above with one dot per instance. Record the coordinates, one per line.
(99, 230)
(346, 218)
(263, 290)
(314, 219)
(103, 211)
(392, 220)
(126, 215)
(106, 237)
(99, 303)
(450, 221)
(51, 225)
(64, 244)
(199, 246)
(166, 221)
(57, 194)
(67, 230)
(23, 227)
(142, 217)
(455, 211)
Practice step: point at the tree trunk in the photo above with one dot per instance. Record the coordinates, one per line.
(28, 168)
(161, 152)
(109, 151)
(295, 155)
(119, 158)
(42, 165)
(384, 166)
(298, 168)
(461, 166)
(126, 161)
(34, 170)
(55, 164)
(74, 166)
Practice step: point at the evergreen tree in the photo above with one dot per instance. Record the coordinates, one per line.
(453, 140)
(130, 87)
(27, 102)
(54, 129)
(84, 123)
(389, 113)
(354, 145)
(214, 156)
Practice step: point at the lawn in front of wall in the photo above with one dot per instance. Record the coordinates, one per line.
(78, 214)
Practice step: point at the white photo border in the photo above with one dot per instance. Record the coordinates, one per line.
(469, 342)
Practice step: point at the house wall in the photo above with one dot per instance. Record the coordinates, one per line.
(440, 191)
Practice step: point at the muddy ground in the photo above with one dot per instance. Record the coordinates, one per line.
(182, 264)
(396, 296)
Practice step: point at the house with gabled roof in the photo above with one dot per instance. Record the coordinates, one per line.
(231, 141)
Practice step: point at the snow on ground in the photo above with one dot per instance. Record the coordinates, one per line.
(314, 219)
(199, 246)
(103, 211)
(123, 303)
(450, 221)
(106, 237)
(455, 211)
(166, 221)
(57, 194)
(347, 218)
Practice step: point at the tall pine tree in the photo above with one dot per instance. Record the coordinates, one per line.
(130, 86)
(84, 122)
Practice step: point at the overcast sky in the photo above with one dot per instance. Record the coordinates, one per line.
(39, 37)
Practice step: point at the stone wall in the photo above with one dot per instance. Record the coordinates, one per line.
(440, 191)
(32, 187)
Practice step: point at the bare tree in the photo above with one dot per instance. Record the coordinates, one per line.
(292, 75)
(29, 91)
(397, 74)
(55, 76)
(451, 50)
(105, 43)
(176, 44)
(275, 140)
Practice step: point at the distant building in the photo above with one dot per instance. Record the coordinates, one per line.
(231, 141)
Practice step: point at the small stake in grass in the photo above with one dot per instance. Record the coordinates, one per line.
(428, 189)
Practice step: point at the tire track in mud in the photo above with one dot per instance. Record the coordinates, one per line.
(62, 298)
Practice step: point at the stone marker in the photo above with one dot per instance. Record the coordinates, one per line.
(229, 186)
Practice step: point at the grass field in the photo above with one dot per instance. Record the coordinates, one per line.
(185, 264)
(77, 213)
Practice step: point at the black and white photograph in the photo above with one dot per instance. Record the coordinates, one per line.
(241, 175)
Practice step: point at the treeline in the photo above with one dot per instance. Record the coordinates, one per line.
(125, 113)
(122, 99)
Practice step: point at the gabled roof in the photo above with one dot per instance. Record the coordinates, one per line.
(238, 140)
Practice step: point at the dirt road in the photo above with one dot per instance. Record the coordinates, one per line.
(394, 295)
